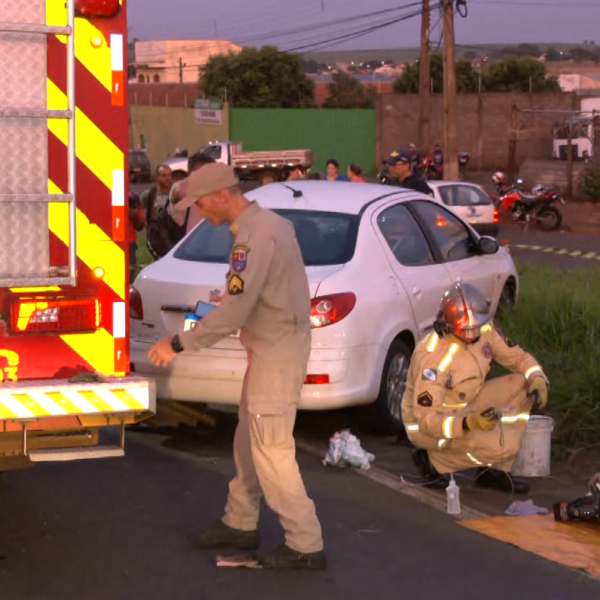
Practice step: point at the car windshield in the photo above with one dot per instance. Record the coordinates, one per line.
(463, 195)
(325, 239)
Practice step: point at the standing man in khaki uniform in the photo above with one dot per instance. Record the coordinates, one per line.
(268, 299)
(457, 419)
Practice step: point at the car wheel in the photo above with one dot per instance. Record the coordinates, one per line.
(386, 413)
(507, 298)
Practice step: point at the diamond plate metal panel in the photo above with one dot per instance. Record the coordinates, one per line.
(24, 242)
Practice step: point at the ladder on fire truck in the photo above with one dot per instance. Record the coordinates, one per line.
(24, 155)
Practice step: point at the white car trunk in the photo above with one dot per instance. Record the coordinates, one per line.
(166, 300)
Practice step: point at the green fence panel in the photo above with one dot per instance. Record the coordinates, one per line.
(348, 135)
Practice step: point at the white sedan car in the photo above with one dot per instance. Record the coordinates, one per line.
(378, 261)
(470, 202)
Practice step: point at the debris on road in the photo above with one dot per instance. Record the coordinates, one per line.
(525, 507)
(345, 451)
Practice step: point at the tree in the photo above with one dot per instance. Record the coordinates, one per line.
(553, 55)
(528, 50)
(251, 78)
(580, 54)
(349, 92)
(466, 77)
(516, 74)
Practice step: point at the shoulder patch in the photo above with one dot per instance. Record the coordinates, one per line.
(429, 375)
(239, 257)
(425, 400)
(235, 286)
(487, 350)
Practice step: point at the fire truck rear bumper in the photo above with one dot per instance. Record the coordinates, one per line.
(113, 400)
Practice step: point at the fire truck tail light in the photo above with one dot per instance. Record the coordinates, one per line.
(97, 8)
(327, 310)
(136, 307)
(56, 315)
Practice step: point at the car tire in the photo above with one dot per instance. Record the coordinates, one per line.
(506, 301)
(385, 412)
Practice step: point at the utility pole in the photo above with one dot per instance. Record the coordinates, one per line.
(425, 100)
(450, 125)
(180, 70)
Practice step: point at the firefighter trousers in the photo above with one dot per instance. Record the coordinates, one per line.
(265, 460)
(499, 447)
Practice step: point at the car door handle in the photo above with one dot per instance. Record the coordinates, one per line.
(416, 291)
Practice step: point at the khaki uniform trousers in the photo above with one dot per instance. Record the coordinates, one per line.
(499, 447)
(265, 459)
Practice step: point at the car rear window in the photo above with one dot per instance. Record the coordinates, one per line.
(325, 239)
(463, 195)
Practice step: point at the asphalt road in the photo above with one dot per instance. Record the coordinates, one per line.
(116, 530)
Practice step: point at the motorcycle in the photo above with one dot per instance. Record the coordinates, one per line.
(531, 208)
(432, 167)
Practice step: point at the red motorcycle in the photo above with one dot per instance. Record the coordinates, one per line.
(529, 208)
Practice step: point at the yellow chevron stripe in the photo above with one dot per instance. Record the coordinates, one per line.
(94, 247)
(94, 149)
(125, 397)
(97, 349)
(96, 60)
(64, 405)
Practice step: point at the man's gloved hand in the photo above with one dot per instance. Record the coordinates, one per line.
(485, 421)
(540, 386)
(594, 483)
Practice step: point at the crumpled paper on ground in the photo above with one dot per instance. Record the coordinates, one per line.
(345, 451)
(525, 507)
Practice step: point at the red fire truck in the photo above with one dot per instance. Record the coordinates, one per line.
(64, 351)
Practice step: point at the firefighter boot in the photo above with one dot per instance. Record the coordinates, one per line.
(220, 535)
(428, 472)
(500, 480)
(286, 559)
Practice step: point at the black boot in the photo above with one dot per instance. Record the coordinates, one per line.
(500, 480)
(429, 473)
(220, 535)
(286, 559)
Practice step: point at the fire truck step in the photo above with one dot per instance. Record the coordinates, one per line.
(65, 454)
(34, 113)
(34, 28)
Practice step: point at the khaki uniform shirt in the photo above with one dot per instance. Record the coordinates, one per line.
(446, 375)
(268, 300)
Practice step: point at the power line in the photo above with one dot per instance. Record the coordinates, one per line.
(175, 50)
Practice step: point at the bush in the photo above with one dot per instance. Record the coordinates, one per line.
(557, 319)
(590, 182)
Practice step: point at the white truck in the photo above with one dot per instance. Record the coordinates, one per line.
(249, 165)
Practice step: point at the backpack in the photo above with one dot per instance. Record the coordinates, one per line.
(163, 232)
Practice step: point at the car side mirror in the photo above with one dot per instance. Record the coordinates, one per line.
(488, 245)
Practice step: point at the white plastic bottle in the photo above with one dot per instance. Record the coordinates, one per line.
(453, 497)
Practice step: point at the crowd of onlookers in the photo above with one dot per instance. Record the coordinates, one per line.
(154, 210)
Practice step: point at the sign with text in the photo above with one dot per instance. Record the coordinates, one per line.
(209, 112)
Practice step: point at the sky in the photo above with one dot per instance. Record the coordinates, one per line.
(313, 25)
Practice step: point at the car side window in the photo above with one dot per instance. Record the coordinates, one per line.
(463, 195)
(404, 237)
(450, 234)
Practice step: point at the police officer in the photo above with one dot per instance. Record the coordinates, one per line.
(400, 166)
(456, 418)
(268, 300)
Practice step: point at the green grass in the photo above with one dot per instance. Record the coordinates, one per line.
(557, 319)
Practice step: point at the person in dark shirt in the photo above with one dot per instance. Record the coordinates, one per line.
(400, 167)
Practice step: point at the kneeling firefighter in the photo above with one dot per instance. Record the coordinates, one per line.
(456, 419)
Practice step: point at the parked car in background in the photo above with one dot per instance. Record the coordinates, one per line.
(378, 261)
(140, 170)
(470, 202)
(249, 166)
